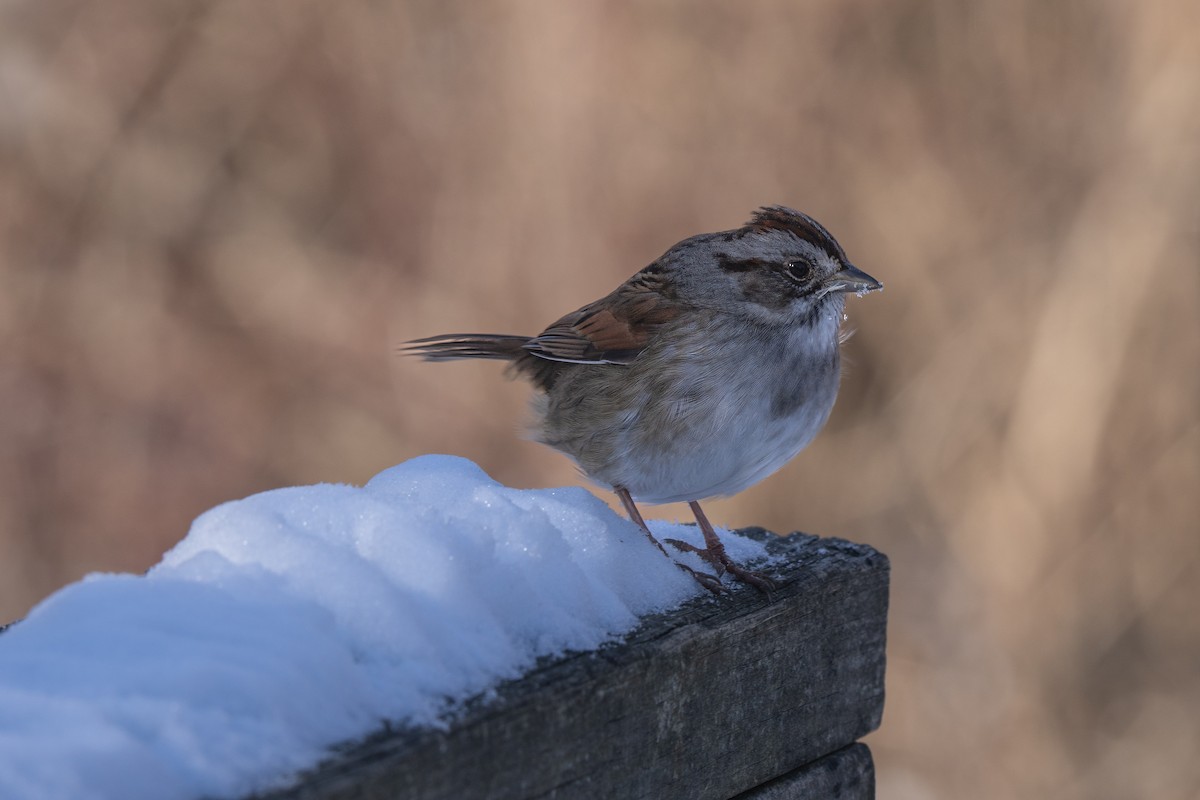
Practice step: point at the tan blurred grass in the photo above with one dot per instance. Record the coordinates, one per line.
(218, 218)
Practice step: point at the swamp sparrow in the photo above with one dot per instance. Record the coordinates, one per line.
(697, 377)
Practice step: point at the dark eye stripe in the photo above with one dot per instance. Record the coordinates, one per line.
(730, 264)
(798, 271)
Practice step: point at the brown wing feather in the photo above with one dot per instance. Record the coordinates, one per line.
(612, 330)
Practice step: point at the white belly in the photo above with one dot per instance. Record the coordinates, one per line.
(726, 430)
(733, 445)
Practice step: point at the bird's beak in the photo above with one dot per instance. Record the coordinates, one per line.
(851, 279)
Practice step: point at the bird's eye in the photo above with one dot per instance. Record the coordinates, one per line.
(799, 271)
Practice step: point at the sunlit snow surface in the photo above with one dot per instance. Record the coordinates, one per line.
(302, 617)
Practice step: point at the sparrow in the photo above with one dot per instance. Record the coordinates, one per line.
(699, 376)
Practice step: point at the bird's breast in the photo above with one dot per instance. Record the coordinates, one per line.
(691, 420)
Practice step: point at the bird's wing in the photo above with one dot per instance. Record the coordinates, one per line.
(612, 330)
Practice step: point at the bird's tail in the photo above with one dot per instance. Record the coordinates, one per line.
(452, 346)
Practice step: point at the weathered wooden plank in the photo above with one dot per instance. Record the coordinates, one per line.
(713, 699)
(848, 774)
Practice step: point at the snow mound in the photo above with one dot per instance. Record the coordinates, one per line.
(302, 617)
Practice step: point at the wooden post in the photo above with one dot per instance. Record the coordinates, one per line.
(722, 698)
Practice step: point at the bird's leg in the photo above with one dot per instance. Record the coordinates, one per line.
(710, 582)
(714, 553)
(636, 516)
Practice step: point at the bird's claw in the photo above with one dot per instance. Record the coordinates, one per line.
(722, 563)
(707, 555)
(755, 579)
(710, 582)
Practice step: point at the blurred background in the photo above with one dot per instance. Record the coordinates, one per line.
(219, 218)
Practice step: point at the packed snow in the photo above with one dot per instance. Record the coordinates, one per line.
(302, 617)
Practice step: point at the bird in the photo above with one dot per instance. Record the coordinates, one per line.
(698, 377)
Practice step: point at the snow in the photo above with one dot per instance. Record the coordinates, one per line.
(302, 617)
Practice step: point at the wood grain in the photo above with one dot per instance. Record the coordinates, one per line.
(711, 700)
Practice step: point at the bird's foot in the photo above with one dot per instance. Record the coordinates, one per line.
(722, 563)
(756, 579)
(703, 552)
(710, 582)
